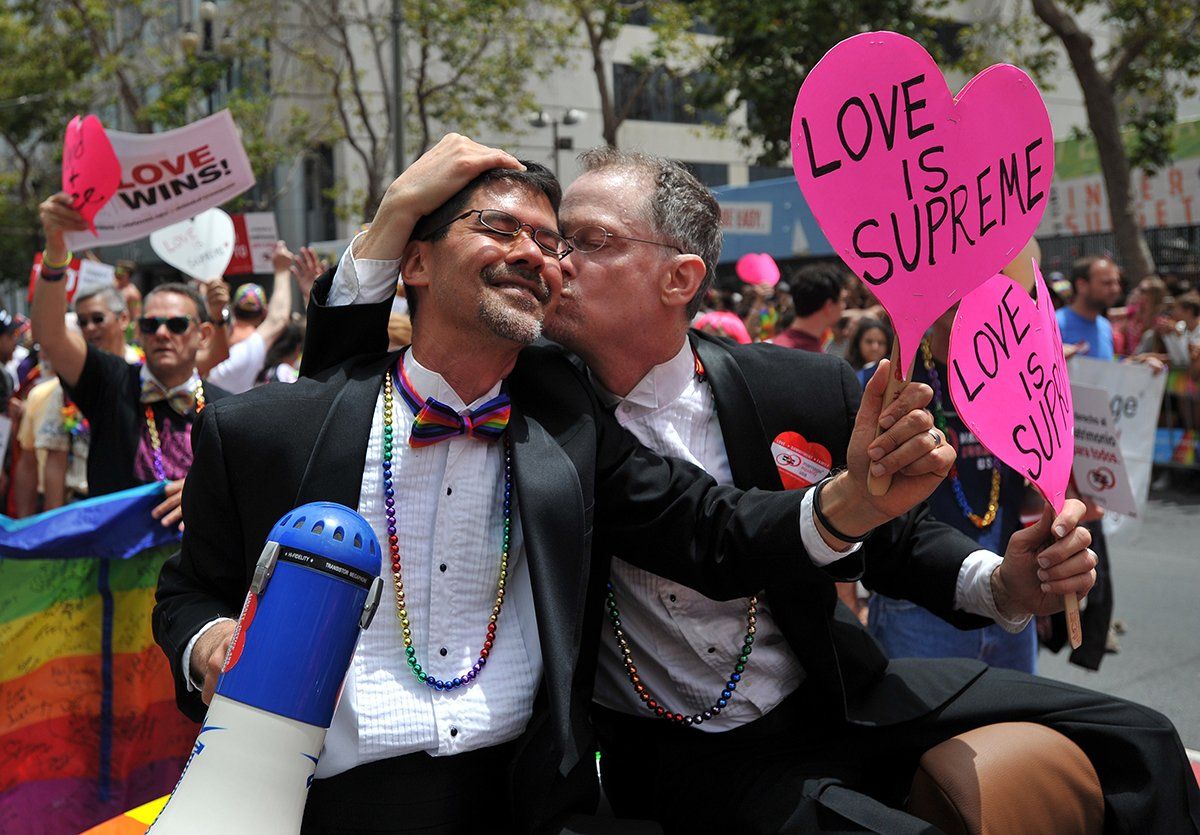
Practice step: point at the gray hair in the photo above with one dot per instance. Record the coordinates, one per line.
(111, 297)
(681, 209)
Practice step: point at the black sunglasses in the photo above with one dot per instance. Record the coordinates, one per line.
(175, 324)
(502, 223)
(94, 319)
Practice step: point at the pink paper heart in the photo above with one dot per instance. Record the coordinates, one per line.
(880, 147)
(758, 268)
(91, 171)
(1008, 381)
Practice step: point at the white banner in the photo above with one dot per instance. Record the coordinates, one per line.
(261, 234)
(94, 276)
(1099, 466)
(1135, 397)
(747, 218)
(168, 177)
(1170, 197)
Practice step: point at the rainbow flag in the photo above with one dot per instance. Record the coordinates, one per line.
(88, 723)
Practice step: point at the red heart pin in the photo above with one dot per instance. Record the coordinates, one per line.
(800, 462)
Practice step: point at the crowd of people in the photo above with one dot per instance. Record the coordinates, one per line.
(102, 388)
(822, 308)
(504, 380)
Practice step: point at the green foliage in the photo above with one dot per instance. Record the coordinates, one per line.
(1151, 61)
(768, 46)
(39, 93)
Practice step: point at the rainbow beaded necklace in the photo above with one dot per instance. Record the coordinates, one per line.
(939, 420)
(652, 704)
(389, 497)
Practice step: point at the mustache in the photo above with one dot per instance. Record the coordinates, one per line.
(494, 274)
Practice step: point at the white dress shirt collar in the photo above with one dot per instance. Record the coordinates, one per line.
(429, 383)
(663, 384)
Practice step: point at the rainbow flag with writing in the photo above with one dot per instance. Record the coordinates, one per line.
(88, 723)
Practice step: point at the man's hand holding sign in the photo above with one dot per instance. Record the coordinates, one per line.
(1008, 381)
(923, 194)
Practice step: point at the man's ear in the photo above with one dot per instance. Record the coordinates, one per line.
(683, 279)
(206, 332)
(415, 263)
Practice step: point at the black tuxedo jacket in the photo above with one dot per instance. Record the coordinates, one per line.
(262, 453)
(763, 390)
(760, 391)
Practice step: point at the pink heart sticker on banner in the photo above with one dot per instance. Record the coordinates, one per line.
(91, 171)
(758, 268)
(800, 462)
(925, 195)
(1008, 381)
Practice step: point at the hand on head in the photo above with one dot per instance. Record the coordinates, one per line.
(435, 177)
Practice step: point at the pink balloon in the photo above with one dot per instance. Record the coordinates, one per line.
(91, 171)
(724, 323)
(923, 194)
(1008, 381)
(758, 268)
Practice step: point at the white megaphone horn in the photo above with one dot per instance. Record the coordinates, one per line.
(316, 587)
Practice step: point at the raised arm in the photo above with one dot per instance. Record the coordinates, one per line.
(65, 348)
(279, 309)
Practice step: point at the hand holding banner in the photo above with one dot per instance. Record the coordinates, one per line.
(167, 177)
(1008, 381)
(923, 194)
(90, 169)
(200, 247)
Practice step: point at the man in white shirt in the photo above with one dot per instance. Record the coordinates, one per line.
(767, 753)
(432, 730)
(257, 324)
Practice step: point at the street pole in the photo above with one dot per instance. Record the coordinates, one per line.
(398, 88)
(554, 139)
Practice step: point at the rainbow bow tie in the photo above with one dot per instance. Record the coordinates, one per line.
(434, 421)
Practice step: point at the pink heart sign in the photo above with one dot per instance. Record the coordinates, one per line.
(91, 171)
(925, 195)
(758, 268)
(1008, 381)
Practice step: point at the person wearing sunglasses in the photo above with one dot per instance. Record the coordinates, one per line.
(140, 416)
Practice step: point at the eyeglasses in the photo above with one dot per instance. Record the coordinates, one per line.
(96, 319)
(592, 238)
(175, 324)
(502, 223)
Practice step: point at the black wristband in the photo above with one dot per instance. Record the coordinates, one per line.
(52, 275)
(824, 520)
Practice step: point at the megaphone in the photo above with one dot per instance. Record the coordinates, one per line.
(315, 588)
